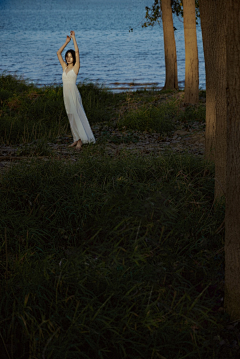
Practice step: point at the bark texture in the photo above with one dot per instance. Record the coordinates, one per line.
(191, 53)
(213, 13)
(208, 25)
(232, 220)
(171, 81)
(221, 101)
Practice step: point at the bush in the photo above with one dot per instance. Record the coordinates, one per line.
(192, 114)
(151, 118)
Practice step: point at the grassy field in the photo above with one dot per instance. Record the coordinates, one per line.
(29, 113)
(109, 256)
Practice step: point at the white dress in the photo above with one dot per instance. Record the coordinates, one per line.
(73, 104)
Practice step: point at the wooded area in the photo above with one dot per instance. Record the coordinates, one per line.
(221, 42)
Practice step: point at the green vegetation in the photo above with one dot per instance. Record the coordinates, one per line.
(110, 256)
(29, 113)
(36, 148)
(148, 118)
(192, 114)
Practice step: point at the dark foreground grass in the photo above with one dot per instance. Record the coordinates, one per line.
(108, 257)
(112, 258)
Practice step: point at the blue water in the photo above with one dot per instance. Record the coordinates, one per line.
(31, 32)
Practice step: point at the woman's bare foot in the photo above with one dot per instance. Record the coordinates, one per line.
(79, 145)
(73, 144)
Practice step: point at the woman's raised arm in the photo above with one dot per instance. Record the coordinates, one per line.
(59, 52)
(77, 64)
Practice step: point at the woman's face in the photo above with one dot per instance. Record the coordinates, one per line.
(69, 58)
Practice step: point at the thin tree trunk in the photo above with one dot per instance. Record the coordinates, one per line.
(191, 53)
(232, 236)
(171, 81)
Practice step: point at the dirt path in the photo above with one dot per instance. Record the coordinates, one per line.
(180, 141)
(191, 141)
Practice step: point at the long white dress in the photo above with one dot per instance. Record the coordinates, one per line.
(73, 104)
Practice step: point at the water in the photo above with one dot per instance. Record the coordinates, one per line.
(33, 30)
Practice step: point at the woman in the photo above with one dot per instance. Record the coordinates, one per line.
(79, 124)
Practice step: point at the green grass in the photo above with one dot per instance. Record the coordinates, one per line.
(36, 148)
(150, 118)
(112, 257)
(193, 114)
(29, 113)
(108, 257)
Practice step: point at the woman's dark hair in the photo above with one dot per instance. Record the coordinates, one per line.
(73, 55)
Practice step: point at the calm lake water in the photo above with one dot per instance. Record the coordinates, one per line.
(33, 30)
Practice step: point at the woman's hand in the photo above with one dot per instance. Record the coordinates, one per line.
(68, 39)
(72, 33)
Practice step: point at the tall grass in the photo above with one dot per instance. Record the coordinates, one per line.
(151, 118)
(193, 114)
(112, 257)
(29, 113)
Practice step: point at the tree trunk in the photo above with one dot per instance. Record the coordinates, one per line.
(221, 101)
(208, 25)
(191, 53)
(232, 220)
(171, 81)
(214, 44)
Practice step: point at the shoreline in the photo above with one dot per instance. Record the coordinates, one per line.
(114, 86)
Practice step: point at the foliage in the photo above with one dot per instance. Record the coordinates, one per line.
(154, 13)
